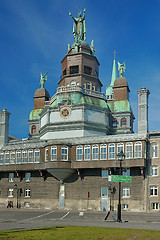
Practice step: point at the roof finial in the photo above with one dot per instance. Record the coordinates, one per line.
(43, 79)
(114, 53)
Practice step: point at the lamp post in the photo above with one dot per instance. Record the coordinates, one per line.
(120, 157)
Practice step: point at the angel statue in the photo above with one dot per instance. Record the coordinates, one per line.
(43, 79)
(121, 68)
(79, 27)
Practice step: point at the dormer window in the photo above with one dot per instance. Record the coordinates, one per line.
(87, 70)
(74, 69)
(123, 122)
(33, 129)
(114, 123)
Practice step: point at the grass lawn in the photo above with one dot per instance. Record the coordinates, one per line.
(80, 233)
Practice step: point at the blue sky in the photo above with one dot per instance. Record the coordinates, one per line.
(34, 39)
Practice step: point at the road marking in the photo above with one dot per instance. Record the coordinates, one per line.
(40, 215)
(65, 215)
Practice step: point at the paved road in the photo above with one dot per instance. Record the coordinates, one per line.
(28, 219)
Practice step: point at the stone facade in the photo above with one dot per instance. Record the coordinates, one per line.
(74, 139)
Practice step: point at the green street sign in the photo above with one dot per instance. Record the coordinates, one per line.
(119, 178)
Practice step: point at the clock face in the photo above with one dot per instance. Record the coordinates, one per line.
(65, 112)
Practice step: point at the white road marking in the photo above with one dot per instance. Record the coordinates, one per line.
(64, 215)
(45, 214)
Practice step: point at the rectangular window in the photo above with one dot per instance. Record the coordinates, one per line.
(30, 156)
(126, 172)
(103, 152)
(155, 206)
(64, 153)
(27, 177)
(27, 193)
(6, 157)
(79, 153)
(18, 157)
(53, 153)
(153, 190)
(11, 177)
(10, 192)
(104, 173)
(126, 192)
(24, 156)
(36, 156)
(125, 206)
(154, 170)
(87, 70)
(27, 204)
(1, 158)
(13, 157)
(74, 69)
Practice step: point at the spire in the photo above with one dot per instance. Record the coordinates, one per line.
(109, 89)
(114, 70)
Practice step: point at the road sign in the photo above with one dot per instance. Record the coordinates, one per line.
(119, 178)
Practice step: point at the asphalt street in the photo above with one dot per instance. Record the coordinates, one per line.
(29, 219)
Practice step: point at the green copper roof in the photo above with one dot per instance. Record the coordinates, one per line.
(34, 114)
(79, 98)
(120, 106)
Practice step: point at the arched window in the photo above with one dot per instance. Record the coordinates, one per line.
(88, 85)
(18, 156)
(36, 155)
(87, 152)
(12, 160)
(120, 147)
(129, 150)
(24, 156)
(114, 123)
(64, 153)
(6, 157)
(138, 150)
(123, 122)
(30, 156)
(73, 82)
(53, 153)
(103, 152)
(154, 150)
(95, 152)
(33, 129)
(1, 158)
(46, 154)
(79, 153)
(111, 151)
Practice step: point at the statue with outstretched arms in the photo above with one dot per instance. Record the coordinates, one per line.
(79, 27)
(43, 79)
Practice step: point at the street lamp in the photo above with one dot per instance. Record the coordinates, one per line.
(120, 157)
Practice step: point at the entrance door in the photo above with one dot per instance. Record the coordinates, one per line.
(104, 198)
(61, 196)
